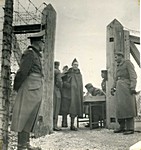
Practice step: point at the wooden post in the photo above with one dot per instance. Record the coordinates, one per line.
(5, 88)
(126, 45)
(49, 20)
(115, 43)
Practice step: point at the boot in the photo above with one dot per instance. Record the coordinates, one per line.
(72, 127)
(23, 140)
(55, 128)
(64, 121)
(121, 129)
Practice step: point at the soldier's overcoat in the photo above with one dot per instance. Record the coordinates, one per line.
(125, 80)
(28, 84)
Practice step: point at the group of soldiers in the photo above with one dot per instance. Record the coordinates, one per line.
(68, 93)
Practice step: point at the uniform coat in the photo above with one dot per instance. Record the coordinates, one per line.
(28, 84)
(125, 81)
(57, 93)
(72, 93)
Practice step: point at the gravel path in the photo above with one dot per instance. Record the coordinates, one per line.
(85, 139)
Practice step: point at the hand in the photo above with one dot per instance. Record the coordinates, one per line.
(133, 92)
(113, 91)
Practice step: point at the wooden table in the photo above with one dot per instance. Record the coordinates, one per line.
(92, 102)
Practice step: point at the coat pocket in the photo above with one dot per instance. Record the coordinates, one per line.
(34, 85)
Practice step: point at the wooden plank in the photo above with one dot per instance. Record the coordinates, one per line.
(135, 39)
(16, 49)
(135, 53)
(23, 29)
(49, 20)
(114, 44)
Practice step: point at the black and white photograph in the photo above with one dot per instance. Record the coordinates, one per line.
(70, 75)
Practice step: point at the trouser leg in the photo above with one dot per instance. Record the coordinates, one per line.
(122, 124)
(56, 107)
(72, 127)
(95, 117)
(23, 140)
(130, 123)
(64, 120)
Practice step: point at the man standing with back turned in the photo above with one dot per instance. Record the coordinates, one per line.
(124, 85)
(28, 84)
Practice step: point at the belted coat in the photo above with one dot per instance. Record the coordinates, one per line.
(125, 81)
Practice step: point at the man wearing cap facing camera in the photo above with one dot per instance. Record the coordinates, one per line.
(72, 95)
(28, 85)
(124, 88)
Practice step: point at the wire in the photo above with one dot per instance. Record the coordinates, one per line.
(37, 9)
(21, 17)
(28, 12)
(28, 6)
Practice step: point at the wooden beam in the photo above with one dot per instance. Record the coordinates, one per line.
(115, 43)
(49, 20)
(135, 39)
(16, 49)
(135, 53)
(126, 45)
(31, 28)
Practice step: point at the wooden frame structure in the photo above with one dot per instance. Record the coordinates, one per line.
(118, 39)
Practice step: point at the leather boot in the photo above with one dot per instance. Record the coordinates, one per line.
(23, 140)
(55, 128)
(72, 127)
(64, 121)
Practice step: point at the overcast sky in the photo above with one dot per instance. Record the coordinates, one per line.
(81, 31)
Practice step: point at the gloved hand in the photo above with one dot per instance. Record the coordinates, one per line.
(133, 92)
(113, 91)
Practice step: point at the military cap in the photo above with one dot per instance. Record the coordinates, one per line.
(65, 67)
(104, 71)
(89, 85)
(56, 63)
(119, 53)
(75, 60)
(37, 36)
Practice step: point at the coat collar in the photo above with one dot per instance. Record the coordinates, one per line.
(35, 49)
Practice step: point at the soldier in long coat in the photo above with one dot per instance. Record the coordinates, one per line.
(57, 95)
(125, 84)
(28, 84)
(72, 94)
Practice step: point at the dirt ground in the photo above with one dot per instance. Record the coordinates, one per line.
(86, 139)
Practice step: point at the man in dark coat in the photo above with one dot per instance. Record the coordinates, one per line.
(124, 85)
(57, 95)
(72, 94)
(28, 84)
(96, 112)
